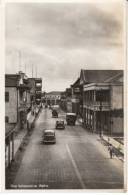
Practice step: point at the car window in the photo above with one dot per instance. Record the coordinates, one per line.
(49, 133)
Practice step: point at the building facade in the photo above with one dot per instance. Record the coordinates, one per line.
(103, 103)
(38, 90)
(17, 105)
(53, 98)
(77, 98)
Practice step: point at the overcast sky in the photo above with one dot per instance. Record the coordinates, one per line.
(61, 38)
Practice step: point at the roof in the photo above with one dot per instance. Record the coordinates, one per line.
(76, 83)
(97, 76)
(16, 80)
(115, 78)
(54, 93)
(11, 80)
(49, 130)
(71, 114)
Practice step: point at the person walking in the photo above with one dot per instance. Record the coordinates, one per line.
(111, 150)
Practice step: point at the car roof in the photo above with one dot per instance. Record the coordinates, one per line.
(49, 130)
(71, 114)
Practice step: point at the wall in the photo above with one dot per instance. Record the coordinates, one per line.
(11, 106)
(69, 106)
(117, 97)
(28, 99)
(117, 105)
(117, 126)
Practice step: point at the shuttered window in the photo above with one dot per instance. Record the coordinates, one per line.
(6, 119)
(6, 96)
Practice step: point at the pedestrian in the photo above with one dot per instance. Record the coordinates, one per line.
(111, 150)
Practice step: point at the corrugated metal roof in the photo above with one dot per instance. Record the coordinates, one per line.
(98, 76)
(11, 80)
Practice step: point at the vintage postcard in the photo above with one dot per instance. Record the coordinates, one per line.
(65, 84)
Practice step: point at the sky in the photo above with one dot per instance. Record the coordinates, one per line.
(60, 39)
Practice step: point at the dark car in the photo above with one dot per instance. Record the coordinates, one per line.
(60, 124)
(46, 106)
(71, 118)
(49, 136)
(54, 114)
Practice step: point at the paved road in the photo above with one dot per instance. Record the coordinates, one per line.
(77, 161)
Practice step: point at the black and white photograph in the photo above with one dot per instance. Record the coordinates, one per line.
(64, 95)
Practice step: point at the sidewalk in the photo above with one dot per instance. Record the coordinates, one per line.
(17, 142)
(118, 146)
(19, 136)
(18, 139)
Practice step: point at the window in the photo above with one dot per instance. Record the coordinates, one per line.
(6, 119)
(6, 96)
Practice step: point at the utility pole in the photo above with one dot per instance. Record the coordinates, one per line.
(36, 71)
(25, 68)
(19, 52)
(32, 70)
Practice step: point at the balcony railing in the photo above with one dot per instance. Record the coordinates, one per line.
(97, 105)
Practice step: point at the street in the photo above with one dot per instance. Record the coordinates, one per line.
(78, 160)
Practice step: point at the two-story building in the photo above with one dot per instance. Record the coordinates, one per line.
(17, 105)
(17, 99)
(53, 97)
(77, 98)
(103, 100)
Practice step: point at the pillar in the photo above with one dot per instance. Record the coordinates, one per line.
(87, 117)
(8, 150)
(12, 146)
(94, 121)
(94, 96)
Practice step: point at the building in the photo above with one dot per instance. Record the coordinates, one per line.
(77, 98)
(53, 97)
(17, 105)
(17, 98)
(32, 86)
(103, 100)
(66, 100)
(38, 90)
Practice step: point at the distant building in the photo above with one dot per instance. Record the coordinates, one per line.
(103, 100)
(66, 100)
(77, 97)
(38, 90)
(53, 97)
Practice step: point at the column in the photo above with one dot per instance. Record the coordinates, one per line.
(87, 117)
(8, 150)
(94, 96)
(90, 118)
(94, 121)
(84, 116)
(12, 146)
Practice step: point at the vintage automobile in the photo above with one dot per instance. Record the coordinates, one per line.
(54, 114)
(49, 136)
(60, 124)
(71, 118)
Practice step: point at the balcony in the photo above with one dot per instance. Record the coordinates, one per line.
(97, 106)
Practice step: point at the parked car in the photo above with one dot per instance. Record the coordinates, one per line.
(49, 136)
(54, 114)
(71, 118)
(60, 124)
